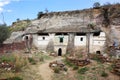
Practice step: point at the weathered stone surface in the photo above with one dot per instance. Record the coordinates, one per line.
(15, 37)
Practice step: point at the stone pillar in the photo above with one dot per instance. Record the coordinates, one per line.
(88, 43)
(91, 43)
(50, 46)
(70, 46)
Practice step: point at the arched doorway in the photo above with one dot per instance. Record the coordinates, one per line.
(59, 52)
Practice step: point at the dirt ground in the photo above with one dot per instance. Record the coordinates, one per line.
(45, 71)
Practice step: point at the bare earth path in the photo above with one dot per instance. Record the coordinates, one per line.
(45, 71)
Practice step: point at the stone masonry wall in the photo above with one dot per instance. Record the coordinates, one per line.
(11, 47)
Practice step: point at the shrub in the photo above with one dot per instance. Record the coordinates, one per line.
(20, 62)
(56, 70)
(15, 78)
(4, 33)
(31, 60)
(7, 58)
(97, 58)
(75, 67)
(68, 63)
(80, 77)
(83, 70)
(96, 5)
(104, 74)
(65, 69)
(39, 15)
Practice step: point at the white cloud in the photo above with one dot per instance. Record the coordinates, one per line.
(5, 2)
(8, 10)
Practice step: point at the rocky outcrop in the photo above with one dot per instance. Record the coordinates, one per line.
(67, 20)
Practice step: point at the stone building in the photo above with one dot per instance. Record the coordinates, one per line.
(62, 32)
(60, 40)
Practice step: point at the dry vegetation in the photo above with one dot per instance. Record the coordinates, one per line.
(20, 25)
(18, 66)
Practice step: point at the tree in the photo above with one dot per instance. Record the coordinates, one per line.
(39, 15)
(4, 33)
(18, 19)
(96, 5)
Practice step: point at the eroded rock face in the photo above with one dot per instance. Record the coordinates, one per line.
(66, 19)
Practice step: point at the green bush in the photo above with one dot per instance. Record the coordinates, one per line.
(31, 60)
(4, 33)
(15, 78)
(80, 77)
(75, 67)
(96, 58)
(56, 70)
(65, 69)
(83, 70)
(68, 63)
(7, 58)
(104, 74)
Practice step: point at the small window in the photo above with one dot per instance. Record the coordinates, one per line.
(26, 37)
(61, 40)
(43, 38)
(81, 39)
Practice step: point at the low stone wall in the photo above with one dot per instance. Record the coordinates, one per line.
(11, 47)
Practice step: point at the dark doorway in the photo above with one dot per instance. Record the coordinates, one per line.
(59, 52)
(98, 52)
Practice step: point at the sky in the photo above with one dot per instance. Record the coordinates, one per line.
(11, 10)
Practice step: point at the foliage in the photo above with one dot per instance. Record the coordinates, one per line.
(4, 33)
(68, 63)
(15, 60)
(80, 77)
(91, 26)
(96, 5)
(104, 74)
(96, 58)
(65, 69)
(20, 25)
(15, 78)
(31, 60)
(6, 58)
(75, 67)
(57, 70)
(39, 15)
(83, 70)
(20, 62)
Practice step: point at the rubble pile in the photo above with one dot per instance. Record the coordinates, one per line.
(7, 66)
(57, 64)
(78, 62)
(99, 57)
(116, 67)
(53, 54)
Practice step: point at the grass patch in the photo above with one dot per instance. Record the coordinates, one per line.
(75, 68)
(68, 63)
(42, 56)
(15, 78)
(83, 70)
(31, 60)
(7, 58)
(104, 74)
(80, 77)
(57, 70)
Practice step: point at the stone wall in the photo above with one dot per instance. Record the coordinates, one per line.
(12, 47)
